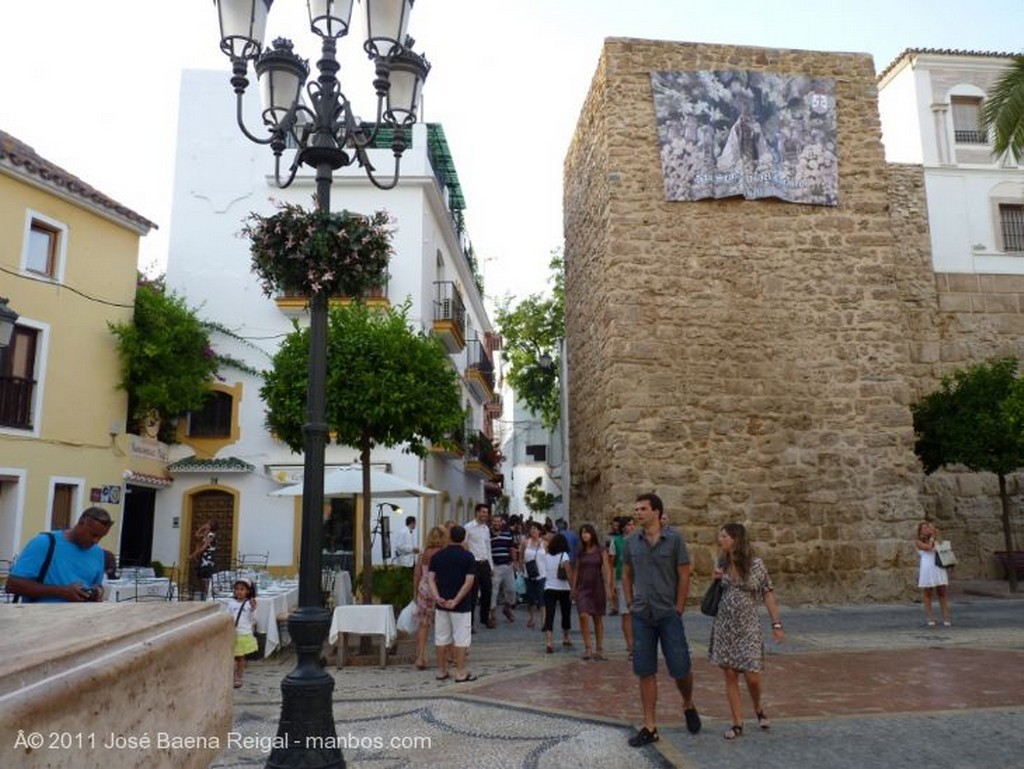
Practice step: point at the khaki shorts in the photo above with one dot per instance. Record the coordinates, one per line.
(453, 627)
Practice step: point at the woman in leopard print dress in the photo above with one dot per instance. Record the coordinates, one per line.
(737, 643)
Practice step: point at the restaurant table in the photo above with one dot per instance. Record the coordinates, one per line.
(371, 619)
(272, 601)
(142, 589)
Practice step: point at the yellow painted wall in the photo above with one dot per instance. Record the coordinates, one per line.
(80, 399)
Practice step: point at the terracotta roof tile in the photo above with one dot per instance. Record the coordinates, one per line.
(15, 152)
(944, 52)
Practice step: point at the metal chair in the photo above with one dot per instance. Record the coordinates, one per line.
(327, 580)
(253, 561)
(5, 571)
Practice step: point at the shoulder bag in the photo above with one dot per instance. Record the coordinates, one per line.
(944, 556)
(713, 596)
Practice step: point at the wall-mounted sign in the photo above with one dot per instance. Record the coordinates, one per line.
(752, 134)
(105, 495)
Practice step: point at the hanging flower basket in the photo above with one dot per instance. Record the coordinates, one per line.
(302, 252)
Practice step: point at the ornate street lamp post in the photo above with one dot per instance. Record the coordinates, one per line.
(8, 318)
(327, 136)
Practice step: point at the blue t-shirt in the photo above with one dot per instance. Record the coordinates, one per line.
(70, 565)
(450, 565)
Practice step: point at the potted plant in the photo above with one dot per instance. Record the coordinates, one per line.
(297, 251)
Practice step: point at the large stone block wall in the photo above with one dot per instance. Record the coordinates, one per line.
(747, 360)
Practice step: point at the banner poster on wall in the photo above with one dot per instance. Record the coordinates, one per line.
(755, 134)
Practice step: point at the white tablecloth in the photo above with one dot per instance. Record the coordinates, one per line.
(131, 590)
(363, 620)
(269, 603)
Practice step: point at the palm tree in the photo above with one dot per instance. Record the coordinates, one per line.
(1003, 111)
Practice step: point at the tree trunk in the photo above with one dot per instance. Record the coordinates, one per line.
(1004, 499)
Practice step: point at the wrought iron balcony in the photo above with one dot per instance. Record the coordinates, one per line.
(479, 370)
(449, 316)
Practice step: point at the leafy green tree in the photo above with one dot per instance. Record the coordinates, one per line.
(1003, 111)
(387, 385)
(167, 361)
(531, 332)
(536, 498)
(975, 419)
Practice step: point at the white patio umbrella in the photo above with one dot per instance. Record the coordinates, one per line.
(347, 481)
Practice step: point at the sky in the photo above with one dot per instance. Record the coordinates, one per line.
(94, 86)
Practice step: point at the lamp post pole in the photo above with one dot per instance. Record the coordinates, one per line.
(327, 136)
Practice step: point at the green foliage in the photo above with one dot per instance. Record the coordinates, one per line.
(530, 330)
(1003, 111)
(304, 252)
(386, 384)
(973, 420)
(536, 499)
(391, 584)
(166, 359)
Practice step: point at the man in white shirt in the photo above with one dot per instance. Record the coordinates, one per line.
(478, 542)
(406, 545)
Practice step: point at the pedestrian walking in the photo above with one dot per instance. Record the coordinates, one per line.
(452, 574)
(554, 569)
(656, 580)
(737, 643)
(591, 586)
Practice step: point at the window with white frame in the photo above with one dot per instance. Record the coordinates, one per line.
(1011, 226)
(45, 245)
(967, 120)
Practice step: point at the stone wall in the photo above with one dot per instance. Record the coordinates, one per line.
(747, 360)
(756, 360)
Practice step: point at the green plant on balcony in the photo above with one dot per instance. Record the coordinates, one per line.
(302, 252)
(482, 449)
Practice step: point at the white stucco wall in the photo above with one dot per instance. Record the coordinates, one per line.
(221, 177)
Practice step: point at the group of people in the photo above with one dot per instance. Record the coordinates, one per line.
(641, 571)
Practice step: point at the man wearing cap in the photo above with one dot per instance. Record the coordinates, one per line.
(63, 565)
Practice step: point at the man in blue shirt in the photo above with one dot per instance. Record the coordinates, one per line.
(75, 570)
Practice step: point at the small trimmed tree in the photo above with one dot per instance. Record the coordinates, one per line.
(975, 419)
(387, 385)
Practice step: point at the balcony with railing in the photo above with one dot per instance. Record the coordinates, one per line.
(453, 446)
(479, 370)
(449, 316)
(482, 456)
(16, 402)
(495, 407)
(293, 303)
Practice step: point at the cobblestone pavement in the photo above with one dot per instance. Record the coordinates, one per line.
(852, 687)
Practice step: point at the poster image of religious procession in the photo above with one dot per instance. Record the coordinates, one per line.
(755, 134)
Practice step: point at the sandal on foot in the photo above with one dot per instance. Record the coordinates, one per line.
(734, 731)
(469, 677)
(550, 649)
(643, 737)
(586, 656)
(445, 677)
(762, 720)
(930, 623)
(600, 657)
(566, 642)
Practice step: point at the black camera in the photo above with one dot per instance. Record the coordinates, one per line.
(94, 594)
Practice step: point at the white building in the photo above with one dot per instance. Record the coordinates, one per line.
(529, 451)
(930, 103)
(220, 178)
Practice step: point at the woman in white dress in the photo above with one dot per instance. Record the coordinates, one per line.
(931, 578)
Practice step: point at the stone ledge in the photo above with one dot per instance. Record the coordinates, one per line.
(87, 673)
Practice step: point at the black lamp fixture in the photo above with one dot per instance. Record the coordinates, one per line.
(327, 136)
(8, 318)
(545, 362)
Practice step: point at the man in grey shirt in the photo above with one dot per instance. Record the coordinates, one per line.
(656, 581)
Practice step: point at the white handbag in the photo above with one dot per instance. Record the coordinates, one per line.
(944, 555)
